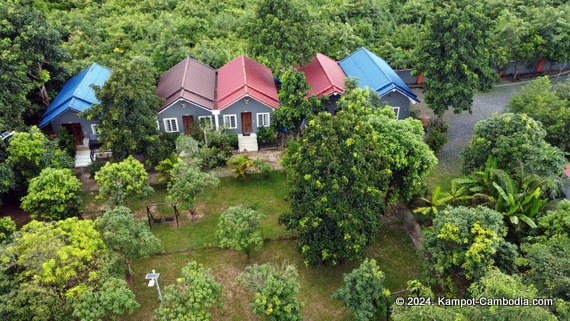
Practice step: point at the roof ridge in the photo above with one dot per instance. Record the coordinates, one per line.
(245, 85)
(89, 70)
(184, 73)
(323, 68)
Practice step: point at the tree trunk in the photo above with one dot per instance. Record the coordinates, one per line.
(129, 271)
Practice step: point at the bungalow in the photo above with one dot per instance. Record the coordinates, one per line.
(75, 97)
(189, 90)
(375, 73)
(326, 78)
(246, 96)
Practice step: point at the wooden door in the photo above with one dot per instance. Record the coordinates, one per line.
(188, 122)
(246, 123)
(75, 130)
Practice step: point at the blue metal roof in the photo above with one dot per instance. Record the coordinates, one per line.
(373, 72)
(77, 93)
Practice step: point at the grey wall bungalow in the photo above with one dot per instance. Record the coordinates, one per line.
(189, 90)
(76, 96)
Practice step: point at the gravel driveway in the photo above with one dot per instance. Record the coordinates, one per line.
(461, 125)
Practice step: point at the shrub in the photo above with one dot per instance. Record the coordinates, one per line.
(262, 167)
(164, 144)
(239, 165)
(266, 136)
(67, 142)
(437, 135)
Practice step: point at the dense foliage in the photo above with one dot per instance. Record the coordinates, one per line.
(454, 54)
(61, 271)
(127, 112)
(549, 105)
(186, 183)
(239, 229)
(363, 292)
(53, 195)
(192, 297)
(31, 68)
(119, 181)
(495, 284)
(344, 172)
(129, 237)
(276, 289)
(512, 139)
(462, 244)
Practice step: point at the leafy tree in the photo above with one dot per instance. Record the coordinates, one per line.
(283, 33)
(127, 113)
(129, 237)
(494, 284)
(295, 106)
(191, 298)
(453, 54)
(276, 291)
(239, 165)
(363, 292)
(556, 222)
(7, 228)
(344, 172)
(463, 243)
(187, 182)
(53, 195)
(548, 105)
(31, 63)
(56, 268)
(239, 229)
(547, 266)
(29, 153)
(120, 181)
(512, 139)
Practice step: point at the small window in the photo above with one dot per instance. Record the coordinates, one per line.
(263, 120)
(94, 129)
(230, 120)
(396, 111)
(171, 125)
(205, 122)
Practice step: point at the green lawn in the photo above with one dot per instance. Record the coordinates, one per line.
(195, 240)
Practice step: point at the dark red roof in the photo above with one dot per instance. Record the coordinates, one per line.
(243, 77)
(325, 76)
(189, 80)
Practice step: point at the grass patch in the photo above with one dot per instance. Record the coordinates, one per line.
(195, 241)
(393, 250)
(442, 174)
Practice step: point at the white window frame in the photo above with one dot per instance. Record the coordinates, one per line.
(228, 122)
(168, 125)
(209, 118)
(261, 122)
(94, 129)
(396, 111)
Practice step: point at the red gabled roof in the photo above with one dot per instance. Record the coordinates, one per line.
(189, 80)
(324, 75)
(245, 77)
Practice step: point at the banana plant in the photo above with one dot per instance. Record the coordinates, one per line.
(439, 199)
(165, 167)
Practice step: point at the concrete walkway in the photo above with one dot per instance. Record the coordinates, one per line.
(82, 157)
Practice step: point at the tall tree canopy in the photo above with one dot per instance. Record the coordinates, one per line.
(127, 113)
(454, 55)
(462, 244)
(283, 33)
(59, 271)
(30, 67)
(344, 172)
(549, 105)
(511, 139)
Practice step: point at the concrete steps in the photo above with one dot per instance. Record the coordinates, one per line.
(82, 157)
(248, 142)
